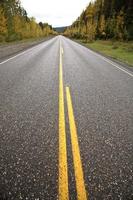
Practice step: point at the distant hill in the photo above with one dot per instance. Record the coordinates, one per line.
(60, 29)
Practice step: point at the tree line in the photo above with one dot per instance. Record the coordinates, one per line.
(16, 25)
(104, 19)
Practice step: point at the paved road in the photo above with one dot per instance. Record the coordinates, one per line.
(66, 125)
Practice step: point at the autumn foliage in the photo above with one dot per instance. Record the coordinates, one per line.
(104, 19)
(16, 25)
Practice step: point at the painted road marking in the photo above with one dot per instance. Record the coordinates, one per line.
(23, 52)
(80, 185)
(105, 59)
(62, 50)
(63, 171)
(19, 54)
(110, 62)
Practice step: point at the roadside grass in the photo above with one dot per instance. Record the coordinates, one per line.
(122, 51)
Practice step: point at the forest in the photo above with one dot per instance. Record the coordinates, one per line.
(104, 19)
(16, 25)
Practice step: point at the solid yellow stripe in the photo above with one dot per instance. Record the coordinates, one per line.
(80, 185)
(63, 173)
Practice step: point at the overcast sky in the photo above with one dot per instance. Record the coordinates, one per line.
(55, 12)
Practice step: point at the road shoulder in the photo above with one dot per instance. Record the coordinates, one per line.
(11, 49)
(124, 65)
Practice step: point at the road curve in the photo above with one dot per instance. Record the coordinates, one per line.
(66, 125)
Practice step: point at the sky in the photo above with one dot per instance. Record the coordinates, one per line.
(56, 12)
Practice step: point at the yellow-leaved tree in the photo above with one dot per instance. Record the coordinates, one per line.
(3, 25)
(101, 26)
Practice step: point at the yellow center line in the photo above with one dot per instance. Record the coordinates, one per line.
(80, 185)
(63, 172)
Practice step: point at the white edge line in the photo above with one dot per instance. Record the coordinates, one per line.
(107, 60)
(19, 54)
(13, 57)
(113, 64)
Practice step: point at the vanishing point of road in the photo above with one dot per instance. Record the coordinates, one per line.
(66, 125)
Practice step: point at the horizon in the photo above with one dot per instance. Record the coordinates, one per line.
(58, 14)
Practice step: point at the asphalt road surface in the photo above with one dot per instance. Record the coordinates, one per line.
(66, 125)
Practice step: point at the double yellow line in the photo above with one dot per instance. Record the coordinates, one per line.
(63, 173)
(63, 169)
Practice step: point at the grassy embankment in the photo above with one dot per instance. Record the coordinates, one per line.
(122, 51)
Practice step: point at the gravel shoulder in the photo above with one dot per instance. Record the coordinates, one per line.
(9, 49)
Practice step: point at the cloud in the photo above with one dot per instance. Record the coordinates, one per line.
(55, 12)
